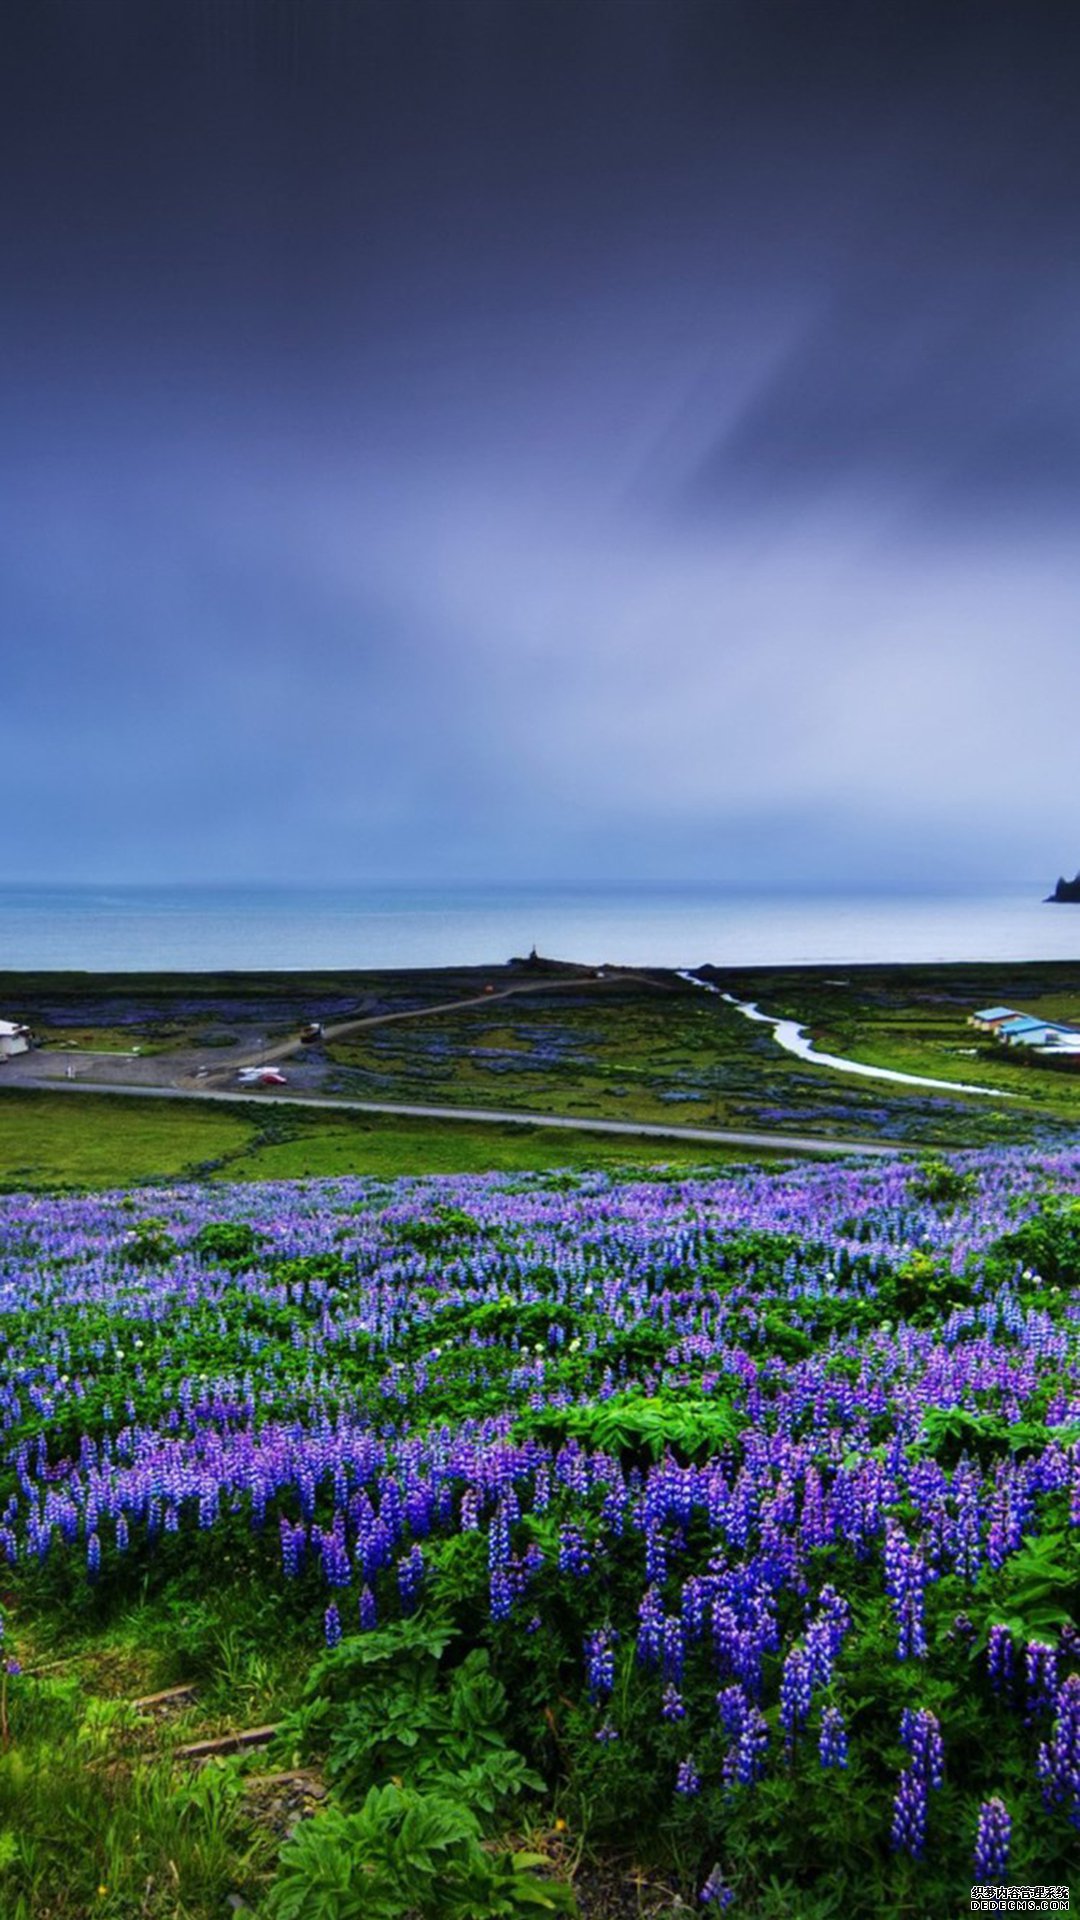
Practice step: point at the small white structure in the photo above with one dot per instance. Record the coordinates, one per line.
(13, 1039)
(1049, 1036)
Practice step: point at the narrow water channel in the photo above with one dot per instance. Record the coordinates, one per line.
(795, 1039)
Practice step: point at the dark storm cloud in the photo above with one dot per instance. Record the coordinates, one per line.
(967, 401)
(537, 438)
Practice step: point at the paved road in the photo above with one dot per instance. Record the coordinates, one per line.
(801, 1143)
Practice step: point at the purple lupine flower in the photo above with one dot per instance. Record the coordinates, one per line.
(501, 1593)
(716, 1892)
(909, 1814)
(796, 1692)
(921, 1735)
(93, 1556)
(992, 1841)
(967, 1543)
(825, 1634)
(650, 1637)
(333, 1553)
(694, 1596)
(732, 1706)
(531, 1562)
(671, 1706)
(999, 1658)
(600, 1663)
(745, 1760)
(1058, 1765)
(1040, 1672)
(499, 1537)
(606, 1733)
(332, 1625)
(290, 1548)
(655, 1556)
(687, 1778)
(833, 1608)
(832, 1742)
(725, 1637)
(674, 1649)
(905, 1582)
(410, 1578)
(368, 1612)
(573, 1551)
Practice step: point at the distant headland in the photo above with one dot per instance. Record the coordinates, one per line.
(1067, 890)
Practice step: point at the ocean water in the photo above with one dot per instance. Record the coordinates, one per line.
(177, 929)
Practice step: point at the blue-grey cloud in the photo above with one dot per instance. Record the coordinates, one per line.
(579, 441)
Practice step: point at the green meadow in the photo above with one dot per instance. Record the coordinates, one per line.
(51, 1141)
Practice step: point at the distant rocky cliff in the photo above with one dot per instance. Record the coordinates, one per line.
(1068, 890)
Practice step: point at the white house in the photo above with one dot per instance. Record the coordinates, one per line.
(13, 1039)
(1047, 1037)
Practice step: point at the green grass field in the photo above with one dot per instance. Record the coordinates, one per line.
(61, 1140)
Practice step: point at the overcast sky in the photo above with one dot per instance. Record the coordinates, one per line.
(540, 441)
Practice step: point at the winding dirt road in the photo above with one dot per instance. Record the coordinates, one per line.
(285, 1049)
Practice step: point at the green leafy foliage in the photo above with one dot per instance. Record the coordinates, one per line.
(941, 1184)
(384, 1705)
(636, 1426)
(233, 1242)
(446, 1735)
(1038, 1592)
(406, 1854)
(442, 1225)
(949, 1432)
(1048, 1243)
(151, 1244)
(922, 1289)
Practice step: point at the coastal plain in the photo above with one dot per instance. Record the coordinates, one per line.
(586, 1044)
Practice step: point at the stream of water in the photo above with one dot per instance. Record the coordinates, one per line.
(795, 1039)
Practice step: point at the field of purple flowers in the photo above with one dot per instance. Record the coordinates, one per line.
(738, 1518)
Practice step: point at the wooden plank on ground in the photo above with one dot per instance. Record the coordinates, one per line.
(227, 1743)
(165, 1698)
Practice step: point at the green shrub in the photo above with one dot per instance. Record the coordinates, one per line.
(233, 1242)
(407, 1855)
